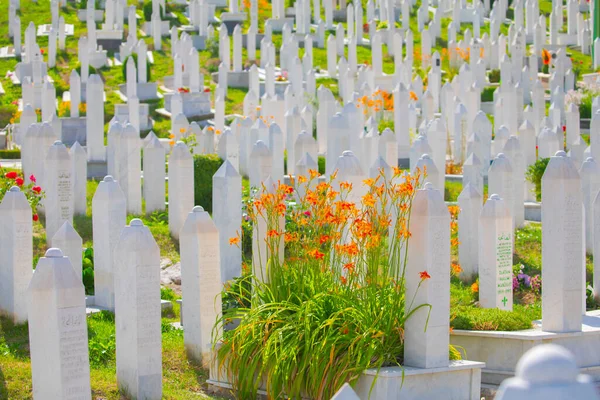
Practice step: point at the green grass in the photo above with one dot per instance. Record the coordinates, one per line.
(182, 378)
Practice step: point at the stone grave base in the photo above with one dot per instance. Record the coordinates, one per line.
(566, 39)
(232, 19)
(259, 37)
(97, 169)
(199, 42)
(109, 44)
(235, 79)
(459, 381)
(44, 30)
(98, 15)
(122, 115)
(145, 90)
(278, 23)
(73, 130)
(500, 351)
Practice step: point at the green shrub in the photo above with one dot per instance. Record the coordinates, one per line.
(91, 70)
(88, 270)
(167, 294)
(148, 12)
(487, 94)
(205, 166)
(321, 164)
(489, 319)
(534, 175)
(10, 154)
(135, 61)
(494, 76)
(585, 108)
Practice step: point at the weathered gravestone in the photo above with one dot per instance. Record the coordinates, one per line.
(58, 337)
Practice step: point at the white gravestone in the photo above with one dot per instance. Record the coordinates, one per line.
(58, 336)
(428, 252)
(181, 186)
(470, 203)
(137, 322)
(590, 186)
(547, 371)
(109, 215)
(154, 189)
(79, 164)
(16, 254)
(68, 240)
(495, 254)
(562, 246)
(200, 283)
(130, 168)
(58, 204)
(227, 214)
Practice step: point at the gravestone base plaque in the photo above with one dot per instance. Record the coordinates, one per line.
(502, 350)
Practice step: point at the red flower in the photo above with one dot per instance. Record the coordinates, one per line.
(11, 175)
(42, 51)
(36, 189)
(19, 181)
(35, 217)
(564, 128)
(307, 213)
(207, 90)
(424, 275)
(32, 178)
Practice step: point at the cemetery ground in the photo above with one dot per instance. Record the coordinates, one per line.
(185, 379)
(182, 378)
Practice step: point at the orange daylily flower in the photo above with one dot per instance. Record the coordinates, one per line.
(413, 96)
(424, 275)
(546, 57)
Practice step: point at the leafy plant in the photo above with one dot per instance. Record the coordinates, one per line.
(168, 294)
(88, 270)
(494, 76)
(148, 11)
(205, 166)
(212, 46)
(336, 304)
(487, 94)
(135, 61)
(534, 175)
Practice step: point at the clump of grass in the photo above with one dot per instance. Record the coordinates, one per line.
(336, 305)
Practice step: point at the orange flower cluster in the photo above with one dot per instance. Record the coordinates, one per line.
(326, 231)
(454, 211)
(546, 57)
(380, 100)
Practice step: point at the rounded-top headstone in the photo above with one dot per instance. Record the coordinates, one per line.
(198, 209)
(136, 222)
(53, 252)
(547, 364)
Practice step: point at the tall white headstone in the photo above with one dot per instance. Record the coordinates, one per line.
(200, 283)
(495, 254)
(58, 337)
(58, 182)
(109, 216)
(154, 189)
(562, 246)
(428, 281)
(16, 254)
(181, 186)
(137, 299)
(470, 203)
(68, 240)
(79, 164)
